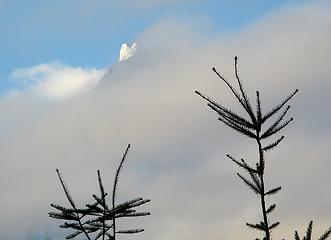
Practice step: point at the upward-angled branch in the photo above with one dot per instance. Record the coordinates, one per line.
(74, 209)
(276, 123)
(235, 93)
(278, 107)
(103, 203)
(258, 108)
(248, 106)
(225, 111)
(115, 185)
(66, 191)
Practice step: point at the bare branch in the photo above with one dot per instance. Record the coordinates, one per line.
(278, 107)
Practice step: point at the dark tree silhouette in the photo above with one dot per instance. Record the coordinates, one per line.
(98, 218)
(255, 126)
(309, 231)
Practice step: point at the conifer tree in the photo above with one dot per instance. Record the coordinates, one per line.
(255, 126)
(309, 231)
(98, 220)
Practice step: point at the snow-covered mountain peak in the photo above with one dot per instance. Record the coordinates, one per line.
(126, 51)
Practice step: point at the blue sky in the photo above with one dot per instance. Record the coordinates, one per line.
(90, 33)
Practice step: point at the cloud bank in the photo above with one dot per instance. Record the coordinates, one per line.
(178, 156)
(56, 80)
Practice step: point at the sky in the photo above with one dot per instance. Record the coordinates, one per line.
(68, 103)
(90, 33)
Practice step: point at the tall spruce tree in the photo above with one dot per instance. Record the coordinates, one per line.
(255, 126)
(98, 219)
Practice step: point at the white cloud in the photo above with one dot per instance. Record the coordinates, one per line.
(56, 80)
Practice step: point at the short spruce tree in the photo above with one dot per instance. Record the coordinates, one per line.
(97, 220)
(255, 126)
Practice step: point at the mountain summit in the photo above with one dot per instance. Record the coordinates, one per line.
(126, 51)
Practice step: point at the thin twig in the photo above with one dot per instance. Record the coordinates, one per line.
(115, 185)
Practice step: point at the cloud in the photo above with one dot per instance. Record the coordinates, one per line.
(56, 80)
(178, 154)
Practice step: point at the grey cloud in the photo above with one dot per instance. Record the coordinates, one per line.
(178, 156)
